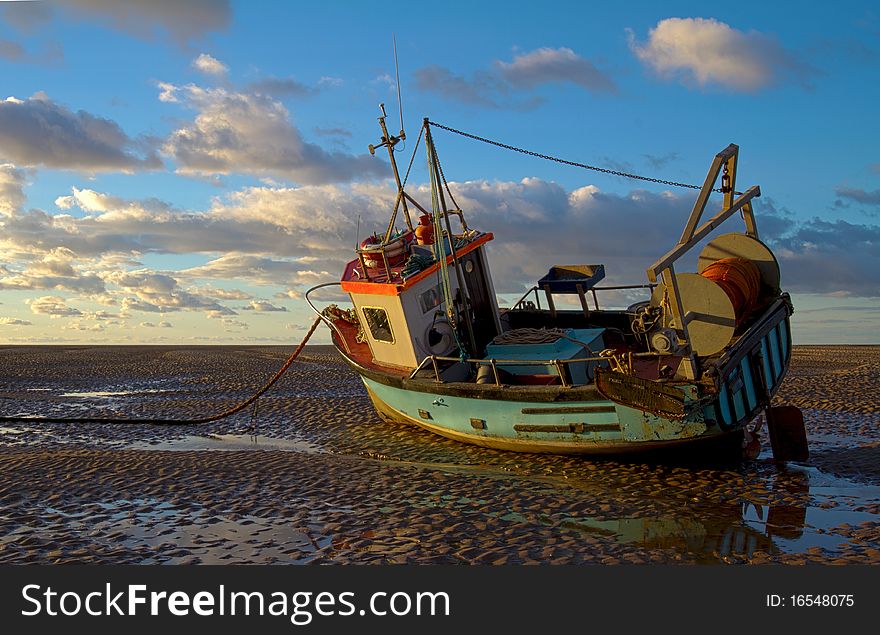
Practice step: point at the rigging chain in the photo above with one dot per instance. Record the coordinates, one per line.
(573, 163)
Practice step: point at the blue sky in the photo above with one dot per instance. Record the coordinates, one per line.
(181, 172)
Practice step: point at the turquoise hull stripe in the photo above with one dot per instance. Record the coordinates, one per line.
(498, 417)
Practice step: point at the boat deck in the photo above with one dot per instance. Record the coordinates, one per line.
(651, 369)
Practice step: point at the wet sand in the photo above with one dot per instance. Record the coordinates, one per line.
(314, 476)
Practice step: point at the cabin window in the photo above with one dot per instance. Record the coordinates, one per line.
(430, 299)
(377, 322)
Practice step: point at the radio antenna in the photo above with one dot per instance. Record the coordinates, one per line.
(397, 76)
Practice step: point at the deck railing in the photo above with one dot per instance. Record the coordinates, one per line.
(558, 365)
(536, 289)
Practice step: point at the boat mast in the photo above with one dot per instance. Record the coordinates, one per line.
(434, 166)
(389, 142)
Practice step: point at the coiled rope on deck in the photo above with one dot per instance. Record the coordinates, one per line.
(537, 336)
(215, 417)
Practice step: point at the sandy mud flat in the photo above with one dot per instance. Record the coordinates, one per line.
(314, 476)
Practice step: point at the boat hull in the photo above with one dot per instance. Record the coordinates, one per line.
(596, 439)
(579, 419)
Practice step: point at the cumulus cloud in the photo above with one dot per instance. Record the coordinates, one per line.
(147, 19)
(259, 270)
(39, 132)
(161, 325)
(9, 321)
(101, 316)
(263, 306)
(562, 65)
(280, 87)
(78, 325)
(659, 162)
(12, 51)
(497, 86)
(294, 237)
(536, 217)
(483, 88)
(26, 16)
(11, 189)
(53, 270)
(53, 306)
(290, 223)
(234, 326)
(821, 256)
(209, 65)
(858, 195)
(332, 132)
(237, 132)
(159, 293)
(701, 51)
(226, 294)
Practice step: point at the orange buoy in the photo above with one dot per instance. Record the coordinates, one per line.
(425, 230)
(741, 280)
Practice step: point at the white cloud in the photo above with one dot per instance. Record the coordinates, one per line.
(159, 293)
(234, 325)
(12, 51)
(496, 87)
(153, 19)
(830, 256)
(11, 189)
(9, 321)
(482, 88)
(167, 92)
(252, 134)
(705, 51)
(40, 132)
(101, 316)
(209, 65)
(263, 306)
(225, 294)
(291, 238)
(546, 65)
(78, 325)
(53, 306)
(54, 270)
(280, 87)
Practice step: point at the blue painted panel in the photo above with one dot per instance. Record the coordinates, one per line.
(783, 335)
(774, 350)
(723, 403)
(749, 382)
(765, 356)
(739, 405)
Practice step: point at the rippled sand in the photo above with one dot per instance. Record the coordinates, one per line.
(314, 476)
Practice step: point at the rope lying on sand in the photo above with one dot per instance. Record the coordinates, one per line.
(216, 417)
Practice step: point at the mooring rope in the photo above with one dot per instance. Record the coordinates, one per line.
(216, 417)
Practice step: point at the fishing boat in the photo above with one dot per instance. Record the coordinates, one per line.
(696, 362)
